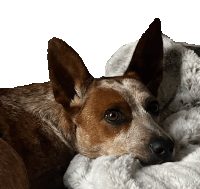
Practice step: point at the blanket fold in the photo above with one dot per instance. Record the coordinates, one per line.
(127, 173)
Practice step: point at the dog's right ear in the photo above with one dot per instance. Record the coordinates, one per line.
(67, 72)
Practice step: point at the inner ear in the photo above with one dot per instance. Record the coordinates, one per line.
(67, 72)
(146, 62)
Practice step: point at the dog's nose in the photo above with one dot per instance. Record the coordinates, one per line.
(162, 148)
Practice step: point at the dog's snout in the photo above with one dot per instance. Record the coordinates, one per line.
(162, 148)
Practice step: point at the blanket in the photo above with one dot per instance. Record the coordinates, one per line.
(179, 97)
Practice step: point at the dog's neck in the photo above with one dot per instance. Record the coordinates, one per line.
(38, 99)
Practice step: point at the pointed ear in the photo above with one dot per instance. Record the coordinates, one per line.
(67, 72)
(146, 63)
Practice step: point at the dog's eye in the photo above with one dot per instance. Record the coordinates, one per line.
(153, 108)
(114, 117)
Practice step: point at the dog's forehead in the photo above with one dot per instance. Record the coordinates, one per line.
(132, 90)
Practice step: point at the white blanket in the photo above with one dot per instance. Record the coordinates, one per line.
(179, 95)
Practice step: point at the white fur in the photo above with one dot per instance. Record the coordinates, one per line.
(181, 84)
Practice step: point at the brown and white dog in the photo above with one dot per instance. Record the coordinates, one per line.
(47, 124)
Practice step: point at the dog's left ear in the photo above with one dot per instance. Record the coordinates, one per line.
(146, 64)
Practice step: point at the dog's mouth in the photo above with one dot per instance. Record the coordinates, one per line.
(144, 163)
(155, 161)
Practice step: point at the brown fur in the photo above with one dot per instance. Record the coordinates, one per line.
(13, 170)
(29, 123)
(47, 124)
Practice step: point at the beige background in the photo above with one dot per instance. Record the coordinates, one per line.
(95, 29)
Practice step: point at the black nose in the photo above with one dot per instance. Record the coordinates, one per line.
(162, 147)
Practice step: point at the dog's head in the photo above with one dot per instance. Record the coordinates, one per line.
(118, 115)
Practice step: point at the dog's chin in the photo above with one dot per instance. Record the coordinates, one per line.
(154, 161)
(148, 163)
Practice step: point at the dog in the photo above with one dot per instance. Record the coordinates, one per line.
(47, 124)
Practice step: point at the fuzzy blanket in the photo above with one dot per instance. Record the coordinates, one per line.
(179, 96)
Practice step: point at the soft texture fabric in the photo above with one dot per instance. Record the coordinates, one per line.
(179, 95)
